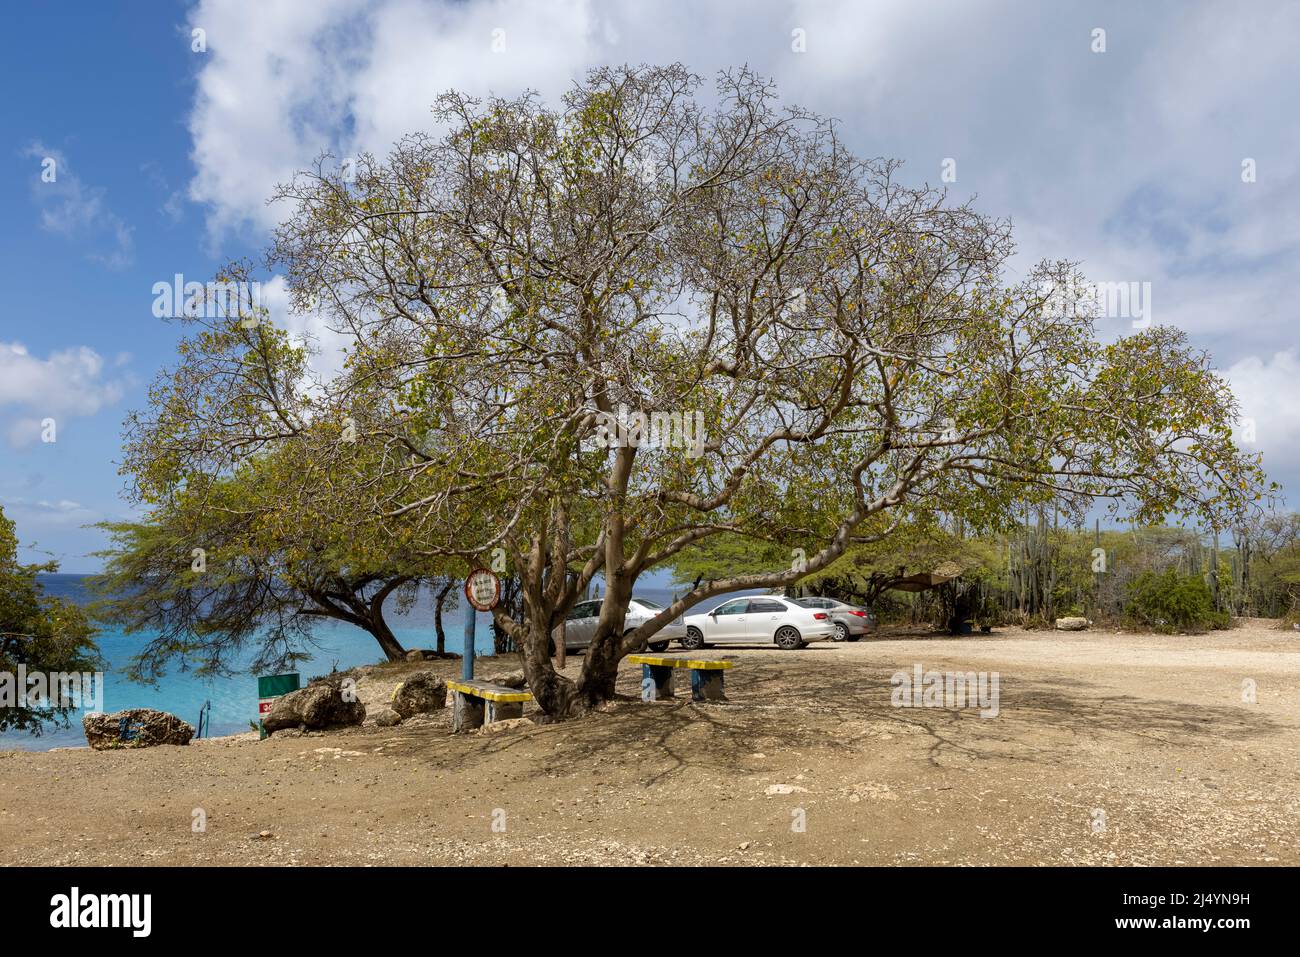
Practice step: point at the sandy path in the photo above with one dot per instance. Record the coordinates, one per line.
(1150, 731)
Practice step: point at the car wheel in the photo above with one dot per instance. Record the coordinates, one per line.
(655, 646)
(694, 639)
(787, 638)
(842, 632)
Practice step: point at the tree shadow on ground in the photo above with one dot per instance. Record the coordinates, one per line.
(776, 708)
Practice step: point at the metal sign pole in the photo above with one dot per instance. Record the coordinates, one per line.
(482, 592)
(467, 660)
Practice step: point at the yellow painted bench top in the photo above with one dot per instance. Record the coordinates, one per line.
(693, 663)
(489, 692)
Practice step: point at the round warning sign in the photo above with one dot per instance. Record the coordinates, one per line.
(483, 589)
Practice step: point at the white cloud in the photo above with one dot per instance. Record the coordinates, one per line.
(306, 328)
(40, 513)
(1268, 390)
(288, 82)
(72, 209)
(68, 383)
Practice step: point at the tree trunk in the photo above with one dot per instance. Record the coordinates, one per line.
(387, 640)
(555, 694)
(500, 640)
(379, 627)
(600, 666)
(366, 615)
(437, 616)
(599, 671)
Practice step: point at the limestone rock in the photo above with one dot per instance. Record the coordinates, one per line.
(135, 728)
(419, 693)
(319, 705)
(784, 789)
(1071, 624)
(506, 724)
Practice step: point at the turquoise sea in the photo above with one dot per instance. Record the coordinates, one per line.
(234, 700)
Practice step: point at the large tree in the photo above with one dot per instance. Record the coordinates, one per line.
(842, 349)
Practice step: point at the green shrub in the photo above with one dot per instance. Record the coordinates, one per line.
(1172, 602)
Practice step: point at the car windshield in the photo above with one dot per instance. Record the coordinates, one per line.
(585, 609)
(647, 603)
(808, 602)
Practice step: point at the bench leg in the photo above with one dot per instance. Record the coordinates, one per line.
(501, 710)
(467, 713)
(706, 685)
(656, 682)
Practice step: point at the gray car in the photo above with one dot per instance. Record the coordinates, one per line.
(851, 621)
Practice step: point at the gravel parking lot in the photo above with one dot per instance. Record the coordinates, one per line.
(1106, 748)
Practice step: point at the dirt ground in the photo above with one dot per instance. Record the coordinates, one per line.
(1107, 749)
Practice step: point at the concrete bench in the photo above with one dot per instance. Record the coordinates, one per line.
(657, 677)
(480, 701)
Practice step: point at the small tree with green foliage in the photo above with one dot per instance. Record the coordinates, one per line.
(234, 572)
(1171, 601)
(38, 632)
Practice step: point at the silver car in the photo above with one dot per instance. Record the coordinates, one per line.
(851, 621)
(580, 623)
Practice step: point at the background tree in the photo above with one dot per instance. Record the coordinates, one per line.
(39, 632)
(234, 572)
(864, 573)
(1274, 561)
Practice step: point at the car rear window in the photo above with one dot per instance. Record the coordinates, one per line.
(652, 605)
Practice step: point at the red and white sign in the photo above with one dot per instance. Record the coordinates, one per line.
(483, 589)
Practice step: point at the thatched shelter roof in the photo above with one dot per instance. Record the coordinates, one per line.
(924, 581)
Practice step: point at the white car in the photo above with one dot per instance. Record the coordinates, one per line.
(580, 624)
(759, 620)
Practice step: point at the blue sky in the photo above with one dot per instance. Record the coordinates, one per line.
(105, 90)
(1128, 159)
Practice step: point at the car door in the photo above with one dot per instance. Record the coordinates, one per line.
(580, 624)
(729, 622)
(766, 615)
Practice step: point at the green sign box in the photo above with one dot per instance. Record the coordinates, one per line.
(272, 686)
